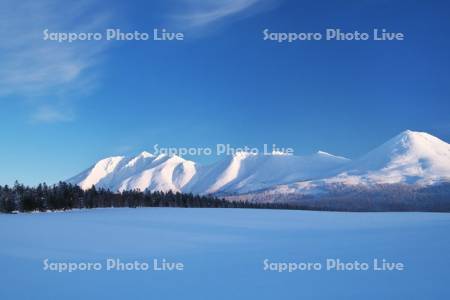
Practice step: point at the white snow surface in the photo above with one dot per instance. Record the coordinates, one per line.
(410, 157)
(223, 251)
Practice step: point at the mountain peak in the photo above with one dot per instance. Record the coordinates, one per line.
(409, 157)
(409, 140)
(140, 158)
(414, 134)
(167, 157)
(145, 154)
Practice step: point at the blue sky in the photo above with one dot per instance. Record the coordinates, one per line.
(64, 106)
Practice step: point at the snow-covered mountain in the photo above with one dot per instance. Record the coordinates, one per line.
(246, 172)
(242, 172)
(145, 171)
(410, 157)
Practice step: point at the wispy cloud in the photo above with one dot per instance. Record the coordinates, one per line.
(50, 114)
(32, 68)
(199, 14)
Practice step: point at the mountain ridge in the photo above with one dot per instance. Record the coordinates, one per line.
(410, 157)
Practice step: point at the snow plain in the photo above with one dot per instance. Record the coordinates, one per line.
(223, 252)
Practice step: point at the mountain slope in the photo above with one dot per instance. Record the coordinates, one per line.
(97, 173)
(145, 171)
(163, 174)
(244, 172)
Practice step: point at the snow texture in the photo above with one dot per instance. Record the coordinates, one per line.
(223, 252)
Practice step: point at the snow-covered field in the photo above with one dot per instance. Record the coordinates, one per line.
(223, 252)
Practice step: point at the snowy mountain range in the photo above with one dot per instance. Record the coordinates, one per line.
(415, 158)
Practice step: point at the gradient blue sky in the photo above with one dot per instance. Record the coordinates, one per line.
(65, 106)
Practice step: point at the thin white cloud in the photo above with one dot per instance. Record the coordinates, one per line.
(198, 14)
(49, 114)
(33, 68)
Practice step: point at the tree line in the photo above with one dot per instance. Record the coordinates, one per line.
(65, 196)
